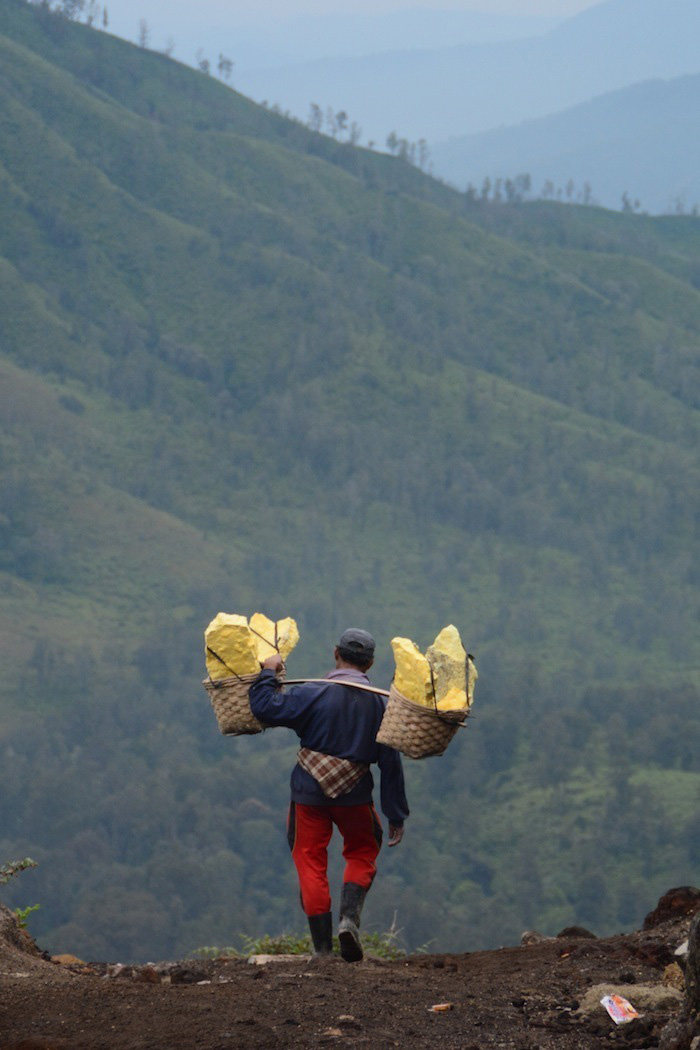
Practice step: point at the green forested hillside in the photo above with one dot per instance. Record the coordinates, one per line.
(244, 366)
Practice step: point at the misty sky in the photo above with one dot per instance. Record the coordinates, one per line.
(240, 9)
(277, 32)
(128, 13)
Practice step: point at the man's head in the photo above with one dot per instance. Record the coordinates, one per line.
(356, 647)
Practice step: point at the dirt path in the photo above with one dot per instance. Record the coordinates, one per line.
(522, 998)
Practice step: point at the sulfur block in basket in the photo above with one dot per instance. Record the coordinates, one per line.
(273, 637)
(412, 677)
(230, 647)
(448, 660)
(429, 697)
(443, 678)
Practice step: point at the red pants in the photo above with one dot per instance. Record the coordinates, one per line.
(309, 830)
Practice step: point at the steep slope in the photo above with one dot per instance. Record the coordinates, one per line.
(635, 142)
(224, 254)
(244, 366)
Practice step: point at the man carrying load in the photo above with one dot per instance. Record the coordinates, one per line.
(336, 720)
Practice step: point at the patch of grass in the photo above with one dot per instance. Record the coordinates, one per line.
(381, 945)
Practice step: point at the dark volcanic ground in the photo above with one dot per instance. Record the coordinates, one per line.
(523, 998)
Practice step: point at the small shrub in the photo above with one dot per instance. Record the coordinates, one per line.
(13, 867)
(23, 913)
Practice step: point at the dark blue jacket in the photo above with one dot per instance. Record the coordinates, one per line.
(337, 720)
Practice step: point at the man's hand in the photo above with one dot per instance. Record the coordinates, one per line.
(395, 834)
(273, 663)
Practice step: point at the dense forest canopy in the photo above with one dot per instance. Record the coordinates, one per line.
(245, 366)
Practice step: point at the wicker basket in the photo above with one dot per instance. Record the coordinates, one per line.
(415, 730)
(229, 698)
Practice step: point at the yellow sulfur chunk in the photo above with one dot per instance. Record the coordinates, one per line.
(230, 638)
(449, 642)
(287, 636)
(472, 675)
(453, 700)
(443, 678)
(412, 677)
(271, 637)
(264, 635)
(448, 659)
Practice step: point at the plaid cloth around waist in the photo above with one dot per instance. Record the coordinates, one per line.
(335, 776)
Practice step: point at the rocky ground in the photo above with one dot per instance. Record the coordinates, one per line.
(536, 996)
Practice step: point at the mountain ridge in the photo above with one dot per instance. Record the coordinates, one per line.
(469, 89)
(633, 143)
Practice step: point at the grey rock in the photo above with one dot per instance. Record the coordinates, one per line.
(641, 996)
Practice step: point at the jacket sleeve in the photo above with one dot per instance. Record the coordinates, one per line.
(393, 790)
(276, 708)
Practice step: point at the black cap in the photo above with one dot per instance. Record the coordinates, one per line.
(356, 644)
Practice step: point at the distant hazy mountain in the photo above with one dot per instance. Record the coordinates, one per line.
(437, 92)
(261, 41)
(303, 39)
(639, 141)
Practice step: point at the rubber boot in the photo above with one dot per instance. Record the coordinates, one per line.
(351, 901)
(321, 927)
